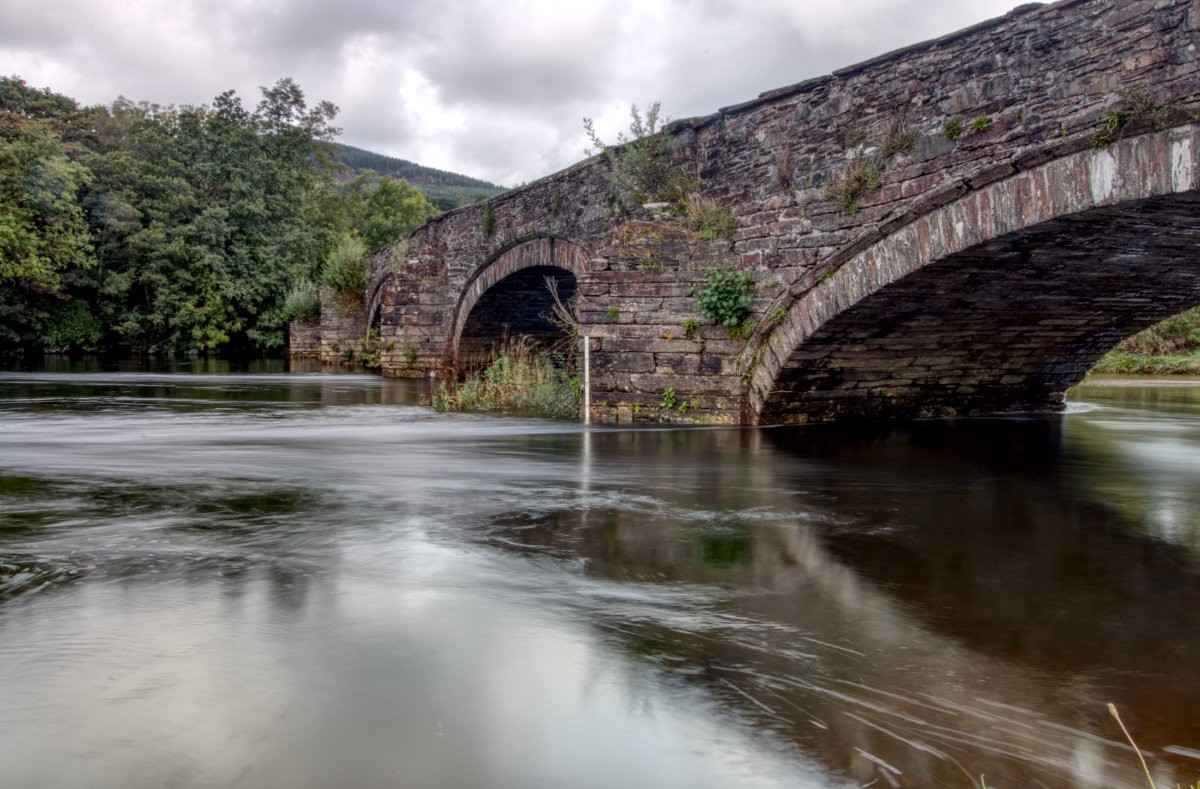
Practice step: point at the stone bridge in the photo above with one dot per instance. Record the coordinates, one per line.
(961, 226)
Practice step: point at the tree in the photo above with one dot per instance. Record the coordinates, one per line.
(201, 219)
(43, 231)
(393, 210)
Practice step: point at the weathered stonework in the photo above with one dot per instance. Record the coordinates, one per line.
(304, 340)
(982, 273)
(343, 330)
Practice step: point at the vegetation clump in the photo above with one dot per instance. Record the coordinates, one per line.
(1139, 107)
(727, 297)
(195, 229)
(862, 176)
(899, 138)
(640, 166)
(345, 271)
(709, 217)
(1171, 347)
(303, 303)
(518, 379)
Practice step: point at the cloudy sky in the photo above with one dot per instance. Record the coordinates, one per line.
(492, 89)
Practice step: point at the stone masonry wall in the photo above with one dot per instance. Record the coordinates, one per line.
(814, 174)
(304, 340)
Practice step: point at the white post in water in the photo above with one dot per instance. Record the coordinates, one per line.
(587, 380)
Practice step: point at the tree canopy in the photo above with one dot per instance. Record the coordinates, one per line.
(174, 229)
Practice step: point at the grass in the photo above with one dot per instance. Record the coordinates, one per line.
(519, 379)
(1171, 347)
(1121, 363)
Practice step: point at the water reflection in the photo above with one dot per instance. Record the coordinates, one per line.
(272, 580)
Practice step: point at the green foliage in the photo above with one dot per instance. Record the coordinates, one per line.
(410, 355)
(668, 398)
(372, 349)
(394, 209)
(778, 316)
(1139, 107)
(1177, 334)
(489, 220)
(727, 297)
(613, 314)
(689, 325)
(1171, 347)
(517, 380)
(71, 324)
(345, 271)
(709, 217)
(640, 166)
(952, 129)
(861, 176)
(303, 302)
(899, 138)
(198, 220)
(443, 189)
(45, 243)
(980, 124)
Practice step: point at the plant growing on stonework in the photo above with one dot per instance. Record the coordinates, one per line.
(727, 297)
(303, 303)
(345, 270)
(640, 163)
(709, 217)
(860, 177)
(980, 125)
(1139, 106)
(899, 137)
(952, 129)
(668, 398)
(372, 349)
(489, 220)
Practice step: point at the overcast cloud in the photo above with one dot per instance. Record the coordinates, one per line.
(496, 90)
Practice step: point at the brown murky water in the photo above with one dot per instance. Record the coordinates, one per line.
(269, 580)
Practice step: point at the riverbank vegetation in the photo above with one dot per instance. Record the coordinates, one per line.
(1171, 347)
(519, 378)
(149, 229)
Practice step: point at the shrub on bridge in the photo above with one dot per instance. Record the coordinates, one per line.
(345, 270)
(303, 303)
(727, 298)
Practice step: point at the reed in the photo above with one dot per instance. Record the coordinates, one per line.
(518, 378)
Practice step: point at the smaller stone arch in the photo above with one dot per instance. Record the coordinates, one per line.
(531, 255)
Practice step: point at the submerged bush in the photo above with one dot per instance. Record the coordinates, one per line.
(519, 380)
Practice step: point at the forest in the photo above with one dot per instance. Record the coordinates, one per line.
(137, 228)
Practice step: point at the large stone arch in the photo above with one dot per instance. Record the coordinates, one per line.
(1135, 207)
(531, 255)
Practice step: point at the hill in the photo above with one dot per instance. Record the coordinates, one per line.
(444, 189)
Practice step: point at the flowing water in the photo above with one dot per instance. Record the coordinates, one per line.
(273, 580)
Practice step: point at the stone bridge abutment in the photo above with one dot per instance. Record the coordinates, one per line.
(962, 226)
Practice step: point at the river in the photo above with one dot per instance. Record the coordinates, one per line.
(310, 580)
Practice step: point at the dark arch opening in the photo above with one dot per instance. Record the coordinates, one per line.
(1007, 325)
(520, 306)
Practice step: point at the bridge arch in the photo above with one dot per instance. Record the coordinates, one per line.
(997, 300)
(507, 295)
